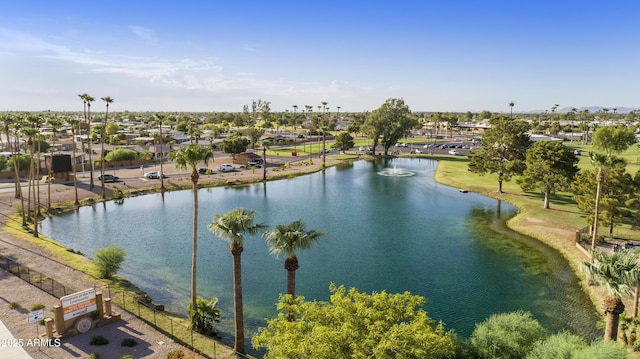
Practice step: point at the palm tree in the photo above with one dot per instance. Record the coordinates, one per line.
(74, 122)
(159, 119)
(602, 162)
(83, 97)
(295, 117)
(511, 104)
(88, 99)
(31, 133)
(8, 122)
(54, 123)
(108, 100)
(265, 147)
(286, 240)
(189, 157)
(615, 272)
(230, 227)
(324, 131)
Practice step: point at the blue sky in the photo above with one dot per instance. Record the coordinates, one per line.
(221, 55)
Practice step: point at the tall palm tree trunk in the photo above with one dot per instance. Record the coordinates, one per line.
(236, 251)
(73, 164)
(291, 265)
(613, 307)
(194, 245)
(636, 298)
(596, 214)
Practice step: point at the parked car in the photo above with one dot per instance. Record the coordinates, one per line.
(454, 152)
(154, 175)
(204, 171)
(109, 178)
(255, 163)
(226, 168)
(418, 151)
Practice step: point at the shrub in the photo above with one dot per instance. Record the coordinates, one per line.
(558, 346)
(94, 356)
(205, 315)
(175, 354)
(108, 261)
(507, 335)
(602, 350)
(126, 356)
(99, 340)
(37, 307)
(128, 342)
(14, 305)
(118, 194)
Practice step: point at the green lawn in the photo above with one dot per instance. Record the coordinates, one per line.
(555, 226)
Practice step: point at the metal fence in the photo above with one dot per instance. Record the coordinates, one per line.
(172, 326)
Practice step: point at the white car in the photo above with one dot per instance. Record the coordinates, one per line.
(226, 168)
(418, 151)
(454, 152)
(153, 175)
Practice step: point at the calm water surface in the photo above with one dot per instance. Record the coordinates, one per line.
(393, 233)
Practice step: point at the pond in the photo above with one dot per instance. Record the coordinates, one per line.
(388, 226)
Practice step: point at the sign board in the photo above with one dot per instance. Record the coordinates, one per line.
(79, 303)
(36, 316)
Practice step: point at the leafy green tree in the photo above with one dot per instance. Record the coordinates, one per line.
(230, 227)
(23, 161)
(503, 149)
(3, 163)
(234, 144)
(111, 130)
(618, 191)
(108, 261)
(550, 166)
(205, 315)
(614, 270)
(190, 157)
(286, 240)
(507, 335)
(254, 134)
(354, 325)
(344, 141)
(389, 123)
(611, 141)
(121, 154)
(558, 346)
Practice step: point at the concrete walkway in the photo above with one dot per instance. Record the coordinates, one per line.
(10, 347)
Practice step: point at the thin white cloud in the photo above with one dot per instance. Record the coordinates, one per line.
(245, 73)
(144, 34)
(17, 42)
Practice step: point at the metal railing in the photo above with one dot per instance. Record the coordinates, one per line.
(133, 303)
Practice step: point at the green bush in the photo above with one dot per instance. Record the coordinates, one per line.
(558, 346)
(126, 356)
(37, 307)
(602, 350)
(99, 340)
(175, 354)
(14, 305)
(507, 335)
(121, 154)
(118, 194)
(128, 342)
(108, 261)
(94, 356)
(206, 314)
